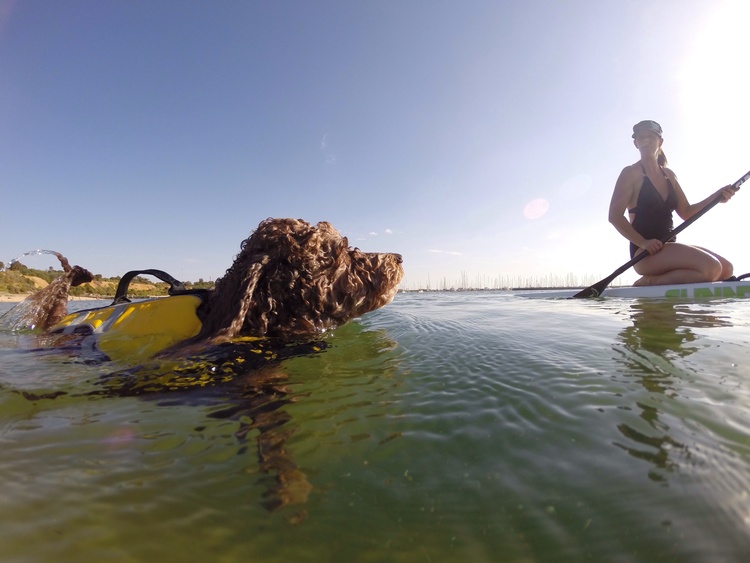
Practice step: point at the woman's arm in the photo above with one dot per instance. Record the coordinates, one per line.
(686, 210)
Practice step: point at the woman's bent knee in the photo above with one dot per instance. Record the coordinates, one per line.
(727, 270)
(714, 270)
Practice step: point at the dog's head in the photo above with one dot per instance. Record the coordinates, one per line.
(292, 278)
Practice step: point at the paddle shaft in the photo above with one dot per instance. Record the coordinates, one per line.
(596, 289)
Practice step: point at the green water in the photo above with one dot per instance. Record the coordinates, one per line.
(444, 427)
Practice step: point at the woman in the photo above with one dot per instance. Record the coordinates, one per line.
(650, 192)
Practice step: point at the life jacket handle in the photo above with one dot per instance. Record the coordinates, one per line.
(121, 295)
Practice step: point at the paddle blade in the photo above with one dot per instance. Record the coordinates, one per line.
(586, 293)
(597, 289)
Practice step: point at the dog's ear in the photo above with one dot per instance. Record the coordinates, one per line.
(230, 305)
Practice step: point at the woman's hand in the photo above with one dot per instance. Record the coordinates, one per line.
(726, 193)
(653, 246)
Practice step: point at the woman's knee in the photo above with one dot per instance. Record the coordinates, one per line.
(727, 269)
(714, 269)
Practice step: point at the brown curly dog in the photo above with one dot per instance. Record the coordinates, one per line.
(292, 278)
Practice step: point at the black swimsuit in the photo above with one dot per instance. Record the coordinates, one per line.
(653, 215)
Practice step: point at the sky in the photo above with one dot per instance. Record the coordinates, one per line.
(479, 139)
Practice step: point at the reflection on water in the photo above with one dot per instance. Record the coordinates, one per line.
(660, 333)
(664, 328)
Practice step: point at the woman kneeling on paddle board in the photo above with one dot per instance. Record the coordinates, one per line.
(650, 192)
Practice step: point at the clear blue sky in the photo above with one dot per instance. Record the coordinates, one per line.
(477, 138)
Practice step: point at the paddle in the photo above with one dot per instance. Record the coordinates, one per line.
(596, 289)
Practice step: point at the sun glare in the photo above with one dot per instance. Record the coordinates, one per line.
(714, 76)
(715, 120)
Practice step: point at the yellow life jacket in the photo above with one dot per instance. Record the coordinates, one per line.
(133, 331)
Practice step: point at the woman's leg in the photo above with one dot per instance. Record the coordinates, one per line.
(680, 263)
(727, 269)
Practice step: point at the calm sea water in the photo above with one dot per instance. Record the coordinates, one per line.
(444, 427)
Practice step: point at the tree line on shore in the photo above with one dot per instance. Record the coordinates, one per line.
(18, 278)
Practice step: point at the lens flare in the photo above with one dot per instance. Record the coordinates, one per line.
(536, 208)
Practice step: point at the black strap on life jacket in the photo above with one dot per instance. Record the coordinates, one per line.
(176, 287)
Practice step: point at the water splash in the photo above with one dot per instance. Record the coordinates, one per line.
(22, 316)
(31, 253)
